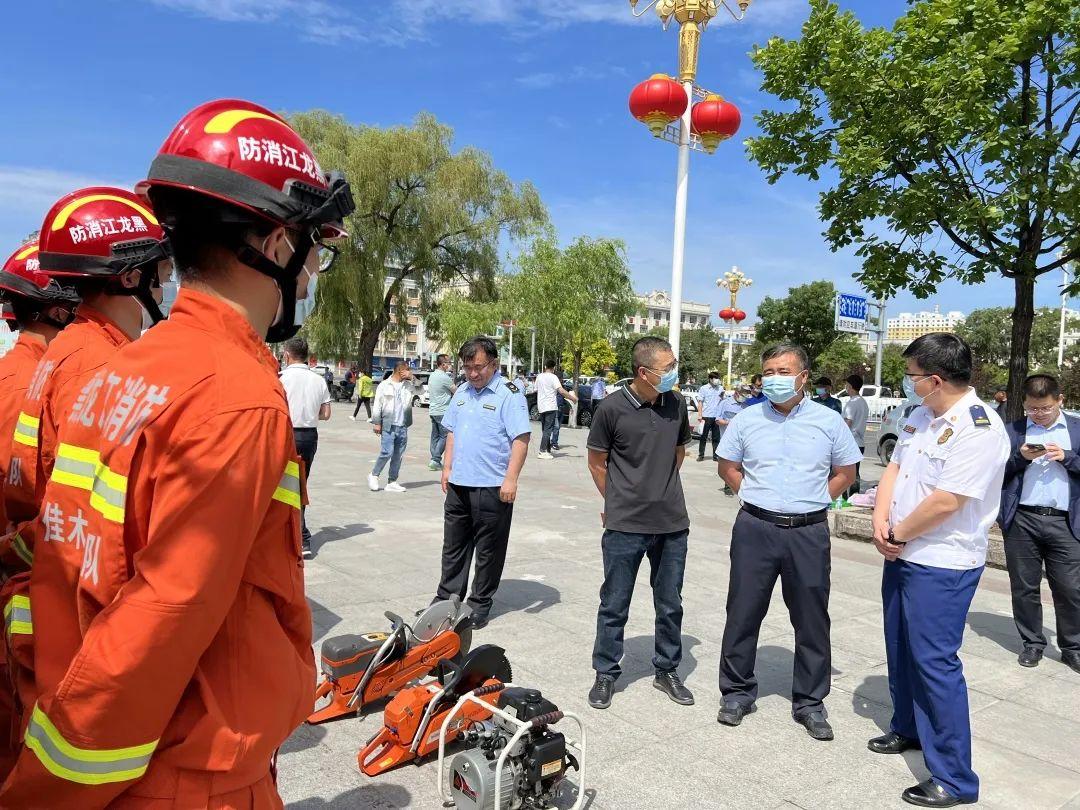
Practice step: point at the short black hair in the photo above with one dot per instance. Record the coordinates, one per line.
(855, 381)
(823, 381)
(943, 354)
(470, 348)
(442, 358)
(714, 375)
(757, 378)
(549, 365)
(780, 349)
(1038, 386)
(297, 347)
(645, 351)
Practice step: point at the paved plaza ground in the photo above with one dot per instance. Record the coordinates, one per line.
(380, 551)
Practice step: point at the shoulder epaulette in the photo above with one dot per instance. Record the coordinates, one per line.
(513, 388)
(979, 417)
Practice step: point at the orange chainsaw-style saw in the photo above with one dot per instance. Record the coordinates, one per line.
(360, 669)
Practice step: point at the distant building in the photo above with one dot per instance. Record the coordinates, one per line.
(907, 326)
(657, 308)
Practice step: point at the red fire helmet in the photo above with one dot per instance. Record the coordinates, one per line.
(100, 232)
(22, 277)
(245, 155)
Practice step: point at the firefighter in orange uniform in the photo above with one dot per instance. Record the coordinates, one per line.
(40, 308)
(106, 243)
(195, 662)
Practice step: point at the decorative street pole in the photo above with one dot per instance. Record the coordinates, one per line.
(701, 126)
(732, 281)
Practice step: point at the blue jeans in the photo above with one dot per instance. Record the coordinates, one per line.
(623, 552)
(438, 439)
(925, 614)
(394, 440)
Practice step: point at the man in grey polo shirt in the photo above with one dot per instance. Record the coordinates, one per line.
(637, 444)
(440, 389)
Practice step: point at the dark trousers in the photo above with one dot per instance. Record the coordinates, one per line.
(307, 442)
(856, 487)
(548, 420)
(761, 552)
(366, 402)
(475, 522)
(709, 429)
(437, 443)
(623, 552)
(925, 612)
(1031, 542)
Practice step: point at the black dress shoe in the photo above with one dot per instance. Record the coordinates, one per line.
(892, 743)
(1030, 657)
(701, 458)
(1071, 660)
(600, 694)
(816, 726)
(672, 686)
(732, 712)
(478, 622)
(931, 794)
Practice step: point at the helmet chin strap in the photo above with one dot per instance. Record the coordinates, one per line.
(285, 277)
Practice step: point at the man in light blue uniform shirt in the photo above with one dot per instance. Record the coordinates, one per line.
(1040, 517)
(787, 459)
(709, 397)
(488, 426)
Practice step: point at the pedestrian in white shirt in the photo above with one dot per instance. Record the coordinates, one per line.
(309, 403)
(548, 387)
(935, 505)
(856, 413)
(392, 418)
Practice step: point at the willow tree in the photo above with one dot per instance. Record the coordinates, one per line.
(425, 216)
(951, 143)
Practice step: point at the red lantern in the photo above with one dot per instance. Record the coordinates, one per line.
(727, 314)
(657, 102)
(739, 316)
(714, 120)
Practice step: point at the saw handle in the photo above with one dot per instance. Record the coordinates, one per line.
(488, 690)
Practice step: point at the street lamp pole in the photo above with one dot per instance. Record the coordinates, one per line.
(682, 188)
(732, 281)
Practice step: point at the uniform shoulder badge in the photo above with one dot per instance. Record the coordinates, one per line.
(945, 435)
(909, 428)
(979, 417)
(513, 388)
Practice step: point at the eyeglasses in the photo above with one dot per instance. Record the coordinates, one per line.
(1040, 411)
(668, 370)
(477, 369)
(327, 253)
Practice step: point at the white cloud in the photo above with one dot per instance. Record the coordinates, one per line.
(317, 20)
(26, 188)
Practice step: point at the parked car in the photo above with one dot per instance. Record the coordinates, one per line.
(879, 399)
(585, 406)
(421, 397)
(890, 430)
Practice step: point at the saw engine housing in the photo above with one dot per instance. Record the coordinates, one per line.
(534, 767)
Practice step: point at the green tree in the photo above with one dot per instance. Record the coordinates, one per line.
(988, 332)
(842, 359)
(461, 318)
(424, 214)
(953, 138)
(700, 352)
(598, 357)
(893, 366)
(574, 296)
(806, 317)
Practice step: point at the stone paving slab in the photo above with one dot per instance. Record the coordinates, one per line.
(380, 551)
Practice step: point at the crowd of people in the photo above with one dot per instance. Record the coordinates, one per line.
(158, 644)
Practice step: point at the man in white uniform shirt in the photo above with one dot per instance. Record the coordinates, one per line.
(935, 505)
(309, 402)
(548, 387)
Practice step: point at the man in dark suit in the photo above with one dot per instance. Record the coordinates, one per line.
(1040, 516)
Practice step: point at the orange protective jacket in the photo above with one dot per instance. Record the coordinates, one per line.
(75, 354)
(16, 368)
(195, 660)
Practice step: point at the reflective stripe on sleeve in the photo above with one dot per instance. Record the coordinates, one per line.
(19, 546)
(26, 429)
(17, 618)
(87, 766)
(75, 466)
(288, 491)
(109, 494)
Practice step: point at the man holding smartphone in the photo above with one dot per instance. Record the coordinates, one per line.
(1040, 516)
(935, 505)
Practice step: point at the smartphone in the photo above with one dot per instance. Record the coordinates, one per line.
(1041, 447)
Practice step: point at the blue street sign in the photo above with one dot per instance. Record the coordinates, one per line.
(850, 312)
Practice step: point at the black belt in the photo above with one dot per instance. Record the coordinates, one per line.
(1043, 510)
(304, 430)
(787, 521)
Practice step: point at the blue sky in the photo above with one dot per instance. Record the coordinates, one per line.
(92, 88)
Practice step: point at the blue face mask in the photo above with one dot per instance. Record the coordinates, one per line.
(909, 391)
(667, 381)
(305, 306)
(778, 388)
